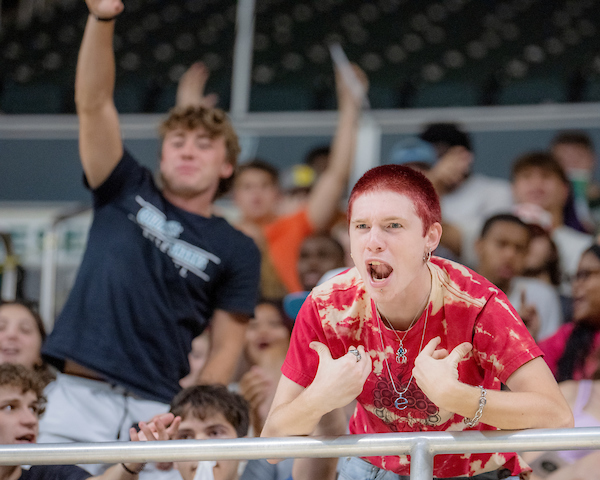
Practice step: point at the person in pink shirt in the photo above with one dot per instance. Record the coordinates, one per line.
(422, 343)
(572, 353)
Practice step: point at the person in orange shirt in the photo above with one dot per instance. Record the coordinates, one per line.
(257, 195)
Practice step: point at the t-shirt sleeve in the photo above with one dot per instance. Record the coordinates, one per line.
(239, 291)
(301, 361)
(501, 342)
(128, 172)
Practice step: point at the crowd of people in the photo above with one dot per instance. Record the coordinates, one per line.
(439, 299)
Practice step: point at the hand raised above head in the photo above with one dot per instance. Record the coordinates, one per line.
(190, 89)
(351, 86)
(339, 381)
(105, 8)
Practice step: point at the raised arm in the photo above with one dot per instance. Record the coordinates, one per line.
(100, 144)
(227, 336)
(324, 199)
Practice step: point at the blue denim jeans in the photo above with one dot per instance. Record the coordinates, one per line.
(354, 468)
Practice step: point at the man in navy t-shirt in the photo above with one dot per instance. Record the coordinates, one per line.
(158, 269)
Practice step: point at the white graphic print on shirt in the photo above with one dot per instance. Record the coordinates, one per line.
(165, 235)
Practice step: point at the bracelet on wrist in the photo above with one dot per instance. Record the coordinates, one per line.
(471, 422)
(133, 472)
(103, 19)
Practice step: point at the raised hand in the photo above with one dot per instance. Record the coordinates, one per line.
(190, 89)
(436, 371)
(105, 8)
(451, 169)
(340, 381)
(351, 91)
(258, 388)
(161, 427)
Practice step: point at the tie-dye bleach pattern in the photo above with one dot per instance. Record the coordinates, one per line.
(464, 306)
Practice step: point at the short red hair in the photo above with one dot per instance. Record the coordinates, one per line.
(405, 181)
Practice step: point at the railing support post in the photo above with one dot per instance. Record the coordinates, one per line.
(421, 461)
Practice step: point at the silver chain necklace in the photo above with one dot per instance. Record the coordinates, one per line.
(402, 351)
(401, 402)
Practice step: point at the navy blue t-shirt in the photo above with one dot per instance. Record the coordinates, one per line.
(150, 279)
(54, 472)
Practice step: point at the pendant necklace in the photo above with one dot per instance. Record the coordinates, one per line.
(401, 401)
(402, 351)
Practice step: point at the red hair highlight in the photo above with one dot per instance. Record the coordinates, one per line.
(404, 181)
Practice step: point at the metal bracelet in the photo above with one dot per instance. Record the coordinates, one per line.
(471, 422)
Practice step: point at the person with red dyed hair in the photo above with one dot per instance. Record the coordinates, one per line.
(422, 343)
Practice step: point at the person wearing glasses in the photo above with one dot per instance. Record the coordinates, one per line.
(572, 353)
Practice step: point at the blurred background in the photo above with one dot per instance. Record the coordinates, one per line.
(417, 54)
(510, 72)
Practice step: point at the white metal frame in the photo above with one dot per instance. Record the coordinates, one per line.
(421, 446)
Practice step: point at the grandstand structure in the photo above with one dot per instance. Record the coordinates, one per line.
(511, 72)
(417, 54)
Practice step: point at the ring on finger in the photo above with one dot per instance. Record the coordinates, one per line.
(356, 353)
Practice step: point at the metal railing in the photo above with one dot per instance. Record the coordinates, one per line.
(422, 446)
(47, 305)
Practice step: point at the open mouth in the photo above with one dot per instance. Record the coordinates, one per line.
(28, 438)
(379, 271)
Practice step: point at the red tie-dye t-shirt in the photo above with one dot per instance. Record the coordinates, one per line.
(463, 307)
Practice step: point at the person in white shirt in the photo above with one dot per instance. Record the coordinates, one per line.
(502, 249)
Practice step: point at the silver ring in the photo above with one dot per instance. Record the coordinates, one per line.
(356, 353)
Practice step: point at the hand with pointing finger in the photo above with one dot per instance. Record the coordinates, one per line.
(339, 381)
(436, 371)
